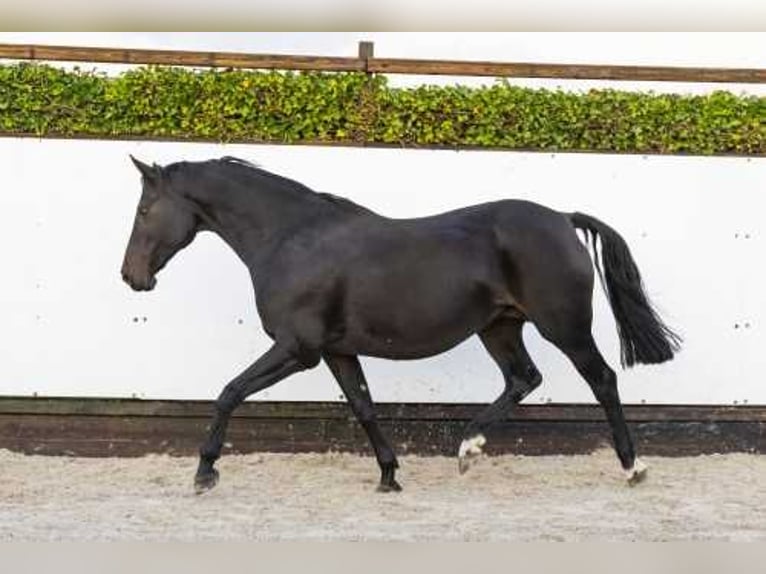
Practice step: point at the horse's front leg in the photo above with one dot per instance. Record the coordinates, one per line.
(277, 363)
(348, 372)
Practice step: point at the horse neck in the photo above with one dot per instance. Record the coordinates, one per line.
(252, 219)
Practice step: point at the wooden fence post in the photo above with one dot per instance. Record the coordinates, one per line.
(366, 52)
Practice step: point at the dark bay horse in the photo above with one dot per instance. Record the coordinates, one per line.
(334, 280)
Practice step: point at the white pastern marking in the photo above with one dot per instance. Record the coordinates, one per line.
(472, 446)
(636, 471)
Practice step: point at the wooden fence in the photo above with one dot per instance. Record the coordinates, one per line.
(365, 61)
(132, 427)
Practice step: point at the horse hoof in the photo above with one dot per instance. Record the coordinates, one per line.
(637, 473)
(204, 482)
(391, 486)
(470, 451)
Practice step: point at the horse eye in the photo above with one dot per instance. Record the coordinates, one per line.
(143, 210)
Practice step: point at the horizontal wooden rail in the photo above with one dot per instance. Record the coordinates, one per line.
(416, 411)
(365, 61)
(567, 71)
(125, 427)
(180, 58)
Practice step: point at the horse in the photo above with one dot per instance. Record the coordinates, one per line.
(334, 280)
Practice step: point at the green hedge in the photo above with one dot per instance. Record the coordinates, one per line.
(166, 102)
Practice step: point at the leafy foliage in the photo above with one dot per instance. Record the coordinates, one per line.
(312, 107)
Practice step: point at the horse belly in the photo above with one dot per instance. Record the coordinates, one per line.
(415, 320)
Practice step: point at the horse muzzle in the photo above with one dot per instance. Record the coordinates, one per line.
(138, 282)
(142, 284)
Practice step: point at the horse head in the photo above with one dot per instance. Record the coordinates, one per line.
(164, 224)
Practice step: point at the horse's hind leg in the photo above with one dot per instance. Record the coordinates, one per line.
(348, 372)
(504, 342)
(584, 354)
(603, 382)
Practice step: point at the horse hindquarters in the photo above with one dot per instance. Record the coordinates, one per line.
(557, 293)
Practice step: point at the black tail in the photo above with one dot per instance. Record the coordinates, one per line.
(644, 338)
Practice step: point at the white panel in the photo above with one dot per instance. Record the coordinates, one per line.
(71, 327)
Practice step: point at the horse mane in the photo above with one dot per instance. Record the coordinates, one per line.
(237, 160)
(232, 161)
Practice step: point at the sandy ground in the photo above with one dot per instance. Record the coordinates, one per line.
(332, 497)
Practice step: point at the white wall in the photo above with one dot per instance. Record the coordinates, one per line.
(67, 320)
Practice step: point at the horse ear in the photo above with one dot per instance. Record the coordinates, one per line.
(150, 172)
